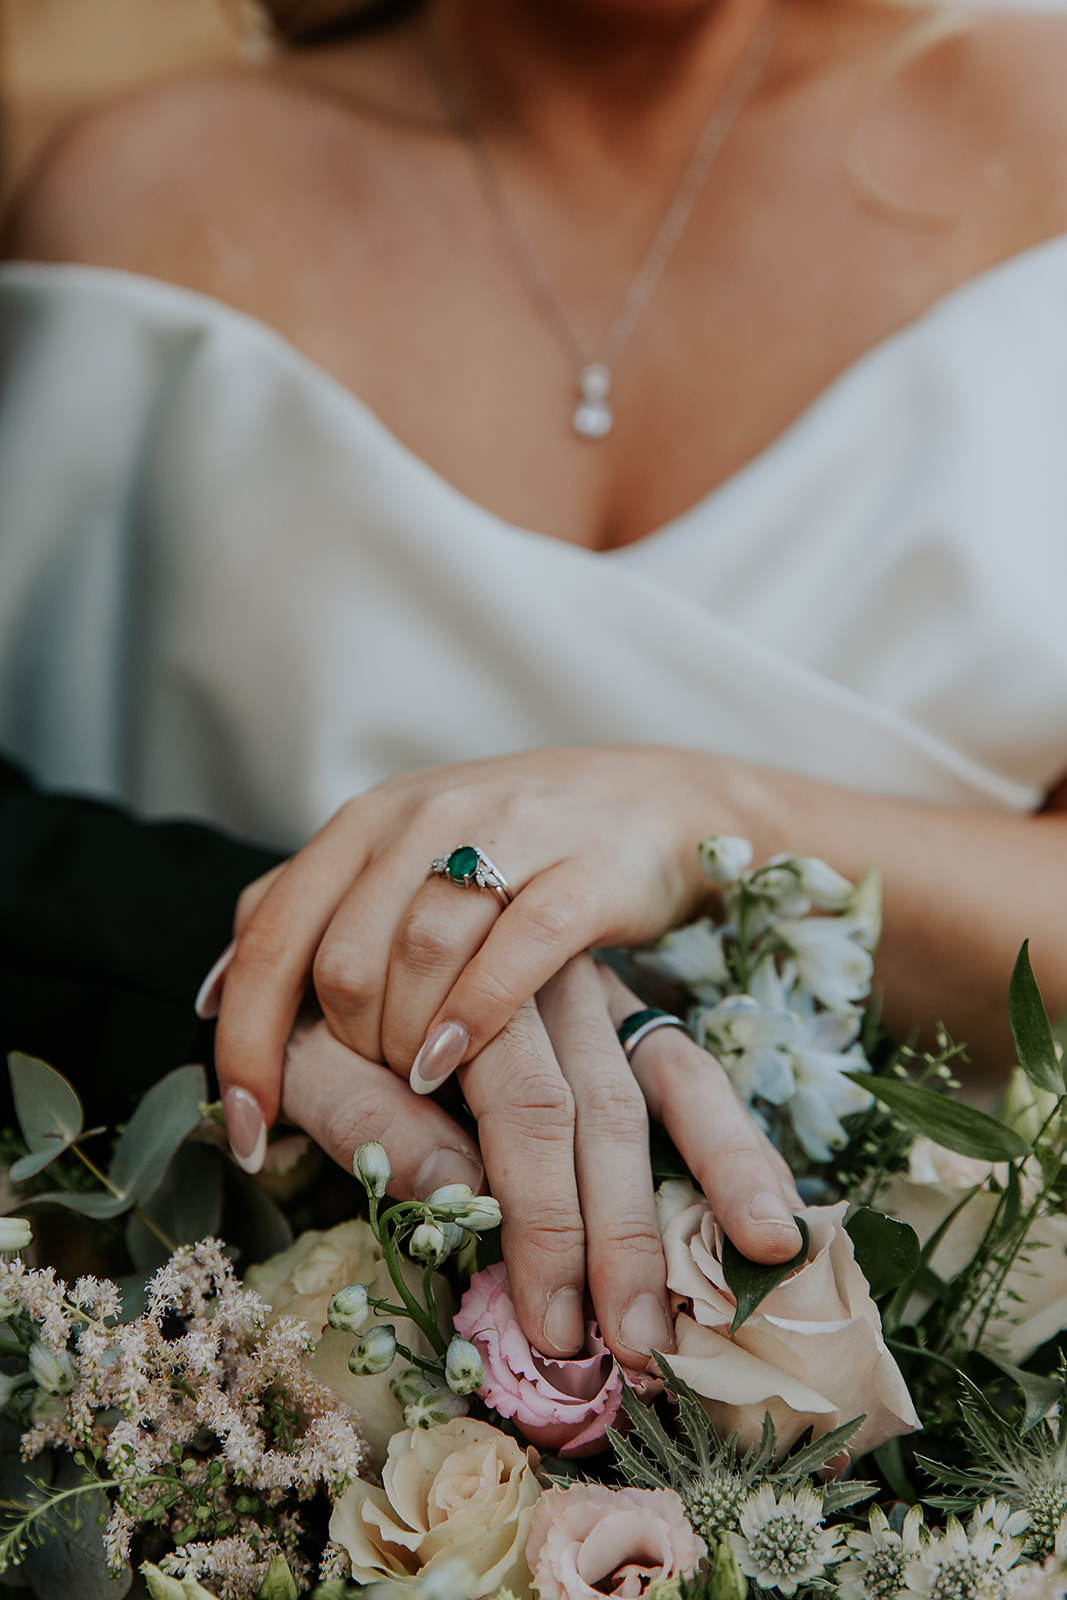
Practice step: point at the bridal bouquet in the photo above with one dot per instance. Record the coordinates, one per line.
(882, 1418)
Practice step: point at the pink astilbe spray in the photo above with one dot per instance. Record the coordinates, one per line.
(222, 1428)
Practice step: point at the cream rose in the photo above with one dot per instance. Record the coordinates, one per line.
(461, 1492)
(1034, 1298)
(812, 1354)
(301, 1281)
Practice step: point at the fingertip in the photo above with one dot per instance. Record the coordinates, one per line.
(563, 1324)
(645, 1327)
(442, 1052)
(246, 1128)
(772, 1228)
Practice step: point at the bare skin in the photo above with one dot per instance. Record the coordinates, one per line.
(329, 196)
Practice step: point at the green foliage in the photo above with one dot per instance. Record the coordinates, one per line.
(949, 1123)
(750, 1282)
(49, 1113)
(1031, 1029)
(887, 1251)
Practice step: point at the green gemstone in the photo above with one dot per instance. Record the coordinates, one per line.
(463, 863)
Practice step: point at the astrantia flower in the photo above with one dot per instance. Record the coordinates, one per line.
(877, 1559)
(714, 1501)
(971, 1563)
(784, 1543)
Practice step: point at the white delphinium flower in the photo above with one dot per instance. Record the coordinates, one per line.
(724, 857)
(877, 1559)
(428, 1244)
(972, 1563)
(822, 1051)
(825, 888)
(784, 1543)
(374, 1352)
(436, 1406)
(831, 960)
(694, 956)
(751, 1036)
(50, 1369)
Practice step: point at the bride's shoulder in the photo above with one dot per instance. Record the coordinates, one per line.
(178, 178)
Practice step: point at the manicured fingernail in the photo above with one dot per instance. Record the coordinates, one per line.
(770, 1207)
(564, 1324)
(441, 1054)
(645, 1327)
(206, 1004)
(246, 1128)
(447, 1166)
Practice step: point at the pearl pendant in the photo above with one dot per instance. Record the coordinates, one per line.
(593, 417)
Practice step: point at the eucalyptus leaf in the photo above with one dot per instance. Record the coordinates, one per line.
(750, 1282)
(168, 1114)
(186, 1207)
(949, 1123)
(887, 1251)
(254, 1224)
(49, 1112)
(1031, 1029)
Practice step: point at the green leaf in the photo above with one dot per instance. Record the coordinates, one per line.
(750, 1282)
(890, 1459)
(48, 1109)
(1040, 1394)
(949, 1123)
(1031, 1029)
(887, 1251)
(168, 1114)
(186, 1207)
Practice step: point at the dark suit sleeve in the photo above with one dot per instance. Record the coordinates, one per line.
(107, 927)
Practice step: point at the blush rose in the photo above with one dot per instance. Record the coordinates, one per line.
(588, 1541)
(812, 1354)
(563, 1406)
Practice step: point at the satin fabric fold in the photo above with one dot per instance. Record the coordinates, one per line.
(227, 591)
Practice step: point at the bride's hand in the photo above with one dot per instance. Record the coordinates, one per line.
(564, 1136)
(598, 846)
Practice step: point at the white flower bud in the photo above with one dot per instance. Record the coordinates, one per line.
(428, 1244)
(9, 1307)
(430, 1410)
(449, 1196)
(724, 857)
(454, 1237)
(463, 1367)
(348, 1309)
(15, 1233)
(410, 1385)
(374, 1352)
(161, 1586)
(825, 888)
(371, 1166)
(50, 1369)
(480, 1215)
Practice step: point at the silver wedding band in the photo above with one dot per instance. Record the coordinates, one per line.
(639, 1024)
(470, 868)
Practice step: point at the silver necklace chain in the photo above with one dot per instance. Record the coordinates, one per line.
(593, 417)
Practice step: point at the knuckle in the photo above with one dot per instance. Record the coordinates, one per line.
(613, 1109)
(542, 1105)
(424, 943)
(261, 945)
(552, 921)
(340, 982)
(554, 1229)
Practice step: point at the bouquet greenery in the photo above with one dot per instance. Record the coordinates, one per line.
(882, 1417)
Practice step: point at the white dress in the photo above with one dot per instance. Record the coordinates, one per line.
(228, 591)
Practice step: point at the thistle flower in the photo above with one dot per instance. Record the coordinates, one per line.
(784, 1543)
(971, 1563)
(877, 1558)
(714, 1501)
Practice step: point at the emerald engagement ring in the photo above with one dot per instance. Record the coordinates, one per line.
(471, 868)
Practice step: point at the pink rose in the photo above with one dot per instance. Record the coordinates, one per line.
(812, 1354)
(564, 1406)
(588, 1541)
